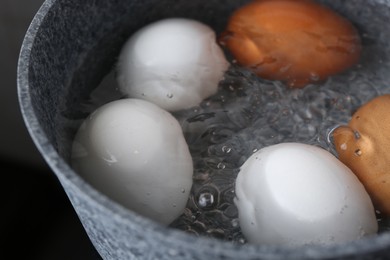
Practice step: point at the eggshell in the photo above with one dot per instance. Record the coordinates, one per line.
(175, 63)
(295, 194)
(364, 146)
(295, 41)
(135, 153)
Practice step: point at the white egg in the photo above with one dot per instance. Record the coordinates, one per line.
(135, 152)
(295, 194)
(175, 63)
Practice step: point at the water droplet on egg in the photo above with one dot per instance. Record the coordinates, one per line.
(358, 152)
(111, 159)
(357, 134)
(362, 232)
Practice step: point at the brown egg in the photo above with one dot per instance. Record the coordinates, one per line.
(364, 146)
(295, 41)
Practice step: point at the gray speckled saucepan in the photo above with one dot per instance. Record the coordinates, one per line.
(68, 49)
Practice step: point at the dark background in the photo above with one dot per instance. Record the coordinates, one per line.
(37, 220)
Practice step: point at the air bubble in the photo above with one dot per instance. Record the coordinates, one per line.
(226, 149)
(217, 233)
(206, 200)
(314, 76)
(235, 222)
(241, 241)
(221, 166)
(356, 134)
(231, 211)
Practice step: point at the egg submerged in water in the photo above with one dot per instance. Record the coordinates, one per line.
(294, 41)
(296, 194)
(135, 153)
(175, 63)
(364, 146)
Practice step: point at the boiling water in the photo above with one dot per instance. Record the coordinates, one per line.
(249, 113)
(245, 115)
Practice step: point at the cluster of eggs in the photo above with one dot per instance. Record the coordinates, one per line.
(134, 151)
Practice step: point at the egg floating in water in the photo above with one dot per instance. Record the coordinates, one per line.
(175, 63)
(296, 194)
(295, 41)
(364, 146)
(135, 153)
